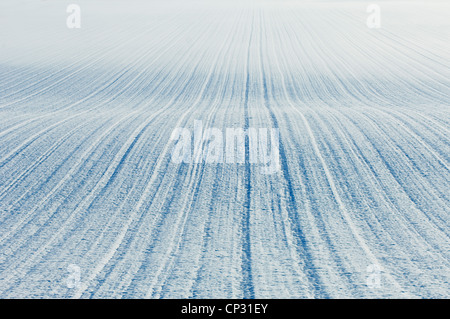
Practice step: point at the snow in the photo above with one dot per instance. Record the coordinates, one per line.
(89, 194)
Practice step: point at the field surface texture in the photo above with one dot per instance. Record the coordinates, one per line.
(92, 204)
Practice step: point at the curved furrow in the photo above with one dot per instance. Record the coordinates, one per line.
(141, 201)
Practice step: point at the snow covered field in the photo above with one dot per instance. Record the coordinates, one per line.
(92, 206)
